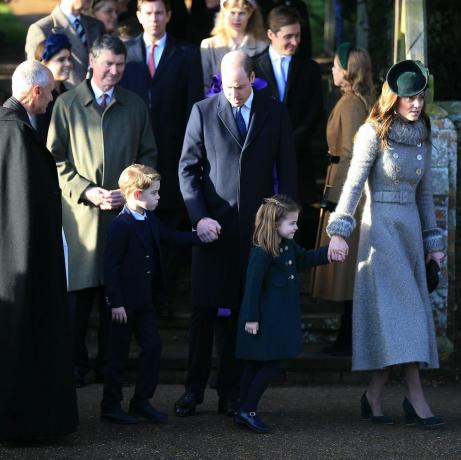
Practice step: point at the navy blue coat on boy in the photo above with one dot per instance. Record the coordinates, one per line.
(272, 299)
(133, 272)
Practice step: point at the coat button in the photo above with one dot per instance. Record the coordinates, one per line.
(291, 277)
(418, 171)
(148, 272)
(395, 155)
(147, 256)
(289, 262)
(397, 182)
(419, 145)
(281, 249)
(398, 169)
(419, 157)
(286, 248)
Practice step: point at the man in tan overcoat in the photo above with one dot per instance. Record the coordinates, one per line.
(81, 30)
(97, 130)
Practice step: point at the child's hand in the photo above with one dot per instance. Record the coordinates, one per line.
(252, 328)
(337, 249)
(119, 315)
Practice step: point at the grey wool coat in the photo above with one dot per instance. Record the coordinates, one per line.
(392, 315)
(93, 148)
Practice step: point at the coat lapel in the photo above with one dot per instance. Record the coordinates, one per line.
(226, 116)
(167, 54)
(268, 72)
(293, 72)
(258, 117)
(62, 25)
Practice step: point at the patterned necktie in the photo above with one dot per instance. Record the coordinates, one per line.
(79, 29)
(103, 105)
(242, 127)
(151, 63)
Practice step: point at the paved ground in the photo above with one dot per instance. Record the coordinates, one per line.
(311, 422)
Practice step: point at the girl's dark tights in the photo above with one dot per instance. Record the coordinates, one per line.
(257, 376)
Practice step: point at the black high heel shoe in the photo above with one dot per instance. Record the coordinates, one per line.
(367, 413)
(412, 418)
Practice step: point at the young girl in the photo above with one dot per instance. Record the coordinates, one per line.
(269, 327)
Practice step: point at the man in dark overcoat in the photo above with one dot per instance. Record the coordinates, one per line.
(294, 79)
(234, 141)
(37, 392)
(153, 58)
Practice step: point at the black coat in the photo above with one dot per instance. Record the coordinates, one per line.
(37, 392)
(132, 264)
(177, 85)
(226, 181)
(303, 99)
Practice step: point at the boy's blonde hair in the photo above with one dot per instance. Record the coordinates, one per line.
(269, 215)
(137, 177)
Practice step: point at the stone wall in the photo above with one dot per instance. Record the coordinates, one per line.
(444, 172)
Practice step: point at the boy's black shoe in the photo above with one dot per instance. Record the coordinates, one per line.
(118, 415)
(250, 420)
(228, 406)
(186, 404)
(146, 413)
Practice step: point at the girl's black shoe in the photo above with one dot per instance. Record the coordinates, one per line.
(367, 413)
(412, 418)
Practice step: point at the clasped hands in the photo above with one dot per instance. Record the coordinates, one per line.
(337, 249)
(106, 200)
(208, 230)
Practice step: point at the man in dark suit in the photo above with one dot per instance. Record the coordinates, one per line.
(82, 31)
(233, 143)
(294, 79)
(37, 394)
(167, 75)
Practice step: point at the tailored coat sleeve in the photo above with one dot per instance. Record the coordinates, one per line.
(72, 183)
(349, 122)
(172, 237)
(286, 158)
(116, 248)
(191, 167)
(258, 266)
(432, 236)
(147, 151)
(310, 258)
(366, 147)
(306, 128)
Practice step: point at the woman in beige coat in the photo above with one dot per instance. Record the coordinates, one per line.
(352, 74)
(239, 25)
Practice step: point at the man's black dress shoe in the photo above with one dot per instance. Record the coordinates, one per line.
(250, 420)
(228, 406)
(186, 404)
(118, 415)
(147, 413)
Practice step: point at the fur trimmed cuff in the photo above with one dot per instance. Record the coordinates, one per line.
(340, 224)
(433, 240)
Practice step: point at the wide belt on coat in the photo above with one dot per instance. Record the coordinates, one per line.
(333, 159)
(401, 197)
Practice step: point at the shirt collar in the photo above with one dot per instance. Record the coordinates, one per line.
(249, 101)
(98, 92)
(160, 43)
(276, 56)
(69, 15)
(137, 215)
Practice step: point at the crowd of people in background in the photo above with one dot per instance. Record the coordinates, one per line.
(218, 103)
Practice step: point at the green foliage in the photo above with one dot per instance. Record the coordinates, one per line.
(12, 31)
(316, 10)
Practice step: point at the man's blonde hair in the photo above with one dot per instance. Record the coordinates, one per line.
(137, 177)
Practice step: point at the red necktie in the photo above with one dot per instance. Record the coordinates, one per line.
(104, 101)
(151, 63)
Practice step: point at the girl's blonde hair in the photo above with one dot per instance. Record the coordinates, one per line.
(358, 76)
(269, 215)
(255, 26)
(384, 112)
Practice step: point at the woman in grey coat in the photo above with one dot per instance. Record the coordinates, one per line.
(392, 315)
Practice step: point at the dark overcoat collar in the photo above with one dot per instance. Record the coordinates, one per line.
(13, 104)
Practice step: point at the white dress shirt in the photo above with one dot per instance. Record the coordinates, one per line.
(98, 93)
(158, 51)
(280, 64)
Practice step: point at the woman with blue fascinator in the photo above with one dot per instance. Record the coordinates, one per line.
(353, 75)
(392, 316)
(55, 54)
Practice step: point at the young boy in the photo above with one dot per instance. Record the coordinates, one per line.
(132, 273)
